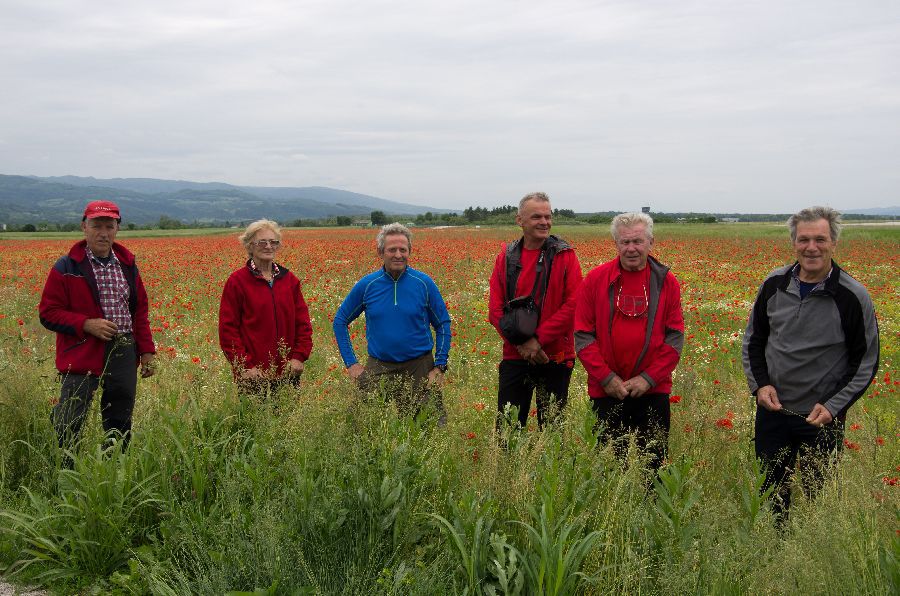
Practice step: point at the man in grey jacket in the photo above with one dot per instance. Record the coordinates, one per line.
(810, 351)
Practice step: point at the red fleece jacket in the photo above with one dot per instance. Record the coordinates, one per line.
(554, 331)
(261, 325)
(665, 323)
(71, 297)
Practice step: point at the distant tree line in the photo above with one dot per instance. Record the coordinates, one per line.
(505, 215)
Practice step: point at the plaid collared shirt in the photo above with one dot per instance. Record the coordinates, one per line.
(113, 289)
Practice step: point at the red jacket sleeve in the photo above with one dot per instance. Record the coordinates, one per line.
(302, 328)
(140, 322)
(664, 359)
(53, 309)
(560, 323)
(587, 328)
(497, 296)
(230, 323)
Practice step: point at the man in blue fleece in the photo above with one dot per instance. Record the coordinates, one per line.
(401, 306)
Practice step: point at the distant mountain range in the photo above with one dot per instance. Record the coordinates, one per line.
(888, 211)
(61, 199)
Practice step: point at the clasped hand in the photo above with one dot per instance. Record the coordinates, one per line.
(633, 387)
(532, 352)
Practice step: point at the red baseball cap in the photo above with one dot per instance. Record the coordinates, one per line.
(101, 209)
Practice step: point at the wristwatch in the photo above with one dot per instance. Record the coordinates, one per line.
(441, 367)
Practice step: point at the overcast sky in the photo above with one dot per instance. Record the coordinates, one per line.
(751, 106)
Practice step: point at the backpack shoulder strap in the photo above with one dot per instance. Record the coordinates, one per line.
(553, 246)
(513, 267)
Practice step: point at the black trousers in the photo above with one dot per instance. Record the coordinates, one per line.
(119, 381)
(519, 380)
(648, 417)
(781, 439)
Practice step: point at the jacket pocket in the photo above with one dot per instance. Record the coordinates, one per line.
(75, 345)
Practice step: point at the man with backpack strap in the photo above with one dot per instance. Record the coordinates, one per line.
(545, 268)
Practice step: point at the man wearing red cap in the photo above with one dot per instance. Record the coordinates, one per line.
(95, 302)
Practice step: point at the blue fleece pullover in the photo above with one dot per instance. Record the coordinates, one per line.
(399, 315)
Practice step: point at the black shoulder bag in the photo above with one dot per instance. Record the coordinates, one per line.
(521, 315)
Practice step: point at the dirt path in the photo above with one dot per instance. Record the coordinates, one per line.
(10, 590)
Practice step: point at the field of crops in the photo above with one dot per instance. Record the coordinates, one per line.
(309, 491)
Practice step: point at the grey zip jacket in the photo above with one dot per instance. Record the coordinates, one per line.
(820, 349)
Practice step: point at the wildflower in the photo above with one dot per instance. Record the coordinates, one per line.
(470, 435)
(855, 426)
(674, 399)
(475, 456)
(891, 481)
(195, 359)
(851, 445)
(479, 406)
(724, 423)
(879, 441)
(688, 428)
(20, 322)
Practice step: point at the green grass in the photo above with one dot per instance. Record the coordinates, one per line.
(299, 493)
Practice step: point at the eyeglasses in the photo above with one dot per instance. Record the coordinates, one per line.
(266, 243)
(632, 306)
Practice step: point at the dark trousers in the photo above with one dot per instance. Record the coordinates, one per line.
(519, 380)
(119, 381)
(648, 417)
(783, 438)
(406, 383)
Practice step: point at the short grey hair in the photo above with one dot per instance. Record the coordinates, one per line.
(629, 220)
(810, 214)
(253, 229)
(540, 197)
(393, 229)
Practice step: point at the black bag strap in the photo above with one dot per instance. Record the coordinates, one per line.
(551, 247)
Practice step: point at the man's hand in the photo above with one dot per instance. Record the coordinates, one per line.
(529, 349)
(435, 377)
(615, 387)
(251, 374)
(540, 358)
(295, 367)
(355, 371)
(100, 328)
(820, 416)
(147, 368)
(767, 397)
(637, 386)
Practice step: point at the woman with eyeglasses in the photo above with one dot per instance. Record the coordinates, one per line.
(264, 326)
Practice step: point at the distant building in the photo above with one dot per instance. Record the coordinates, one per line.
(730, 219)
(645, 209)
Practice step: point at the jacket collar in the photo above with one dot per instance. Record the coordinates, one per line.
(278, 271)
(79, 253)
(829, 284)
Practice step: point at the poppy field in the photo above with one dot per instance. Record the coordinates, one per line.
(310, 490)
